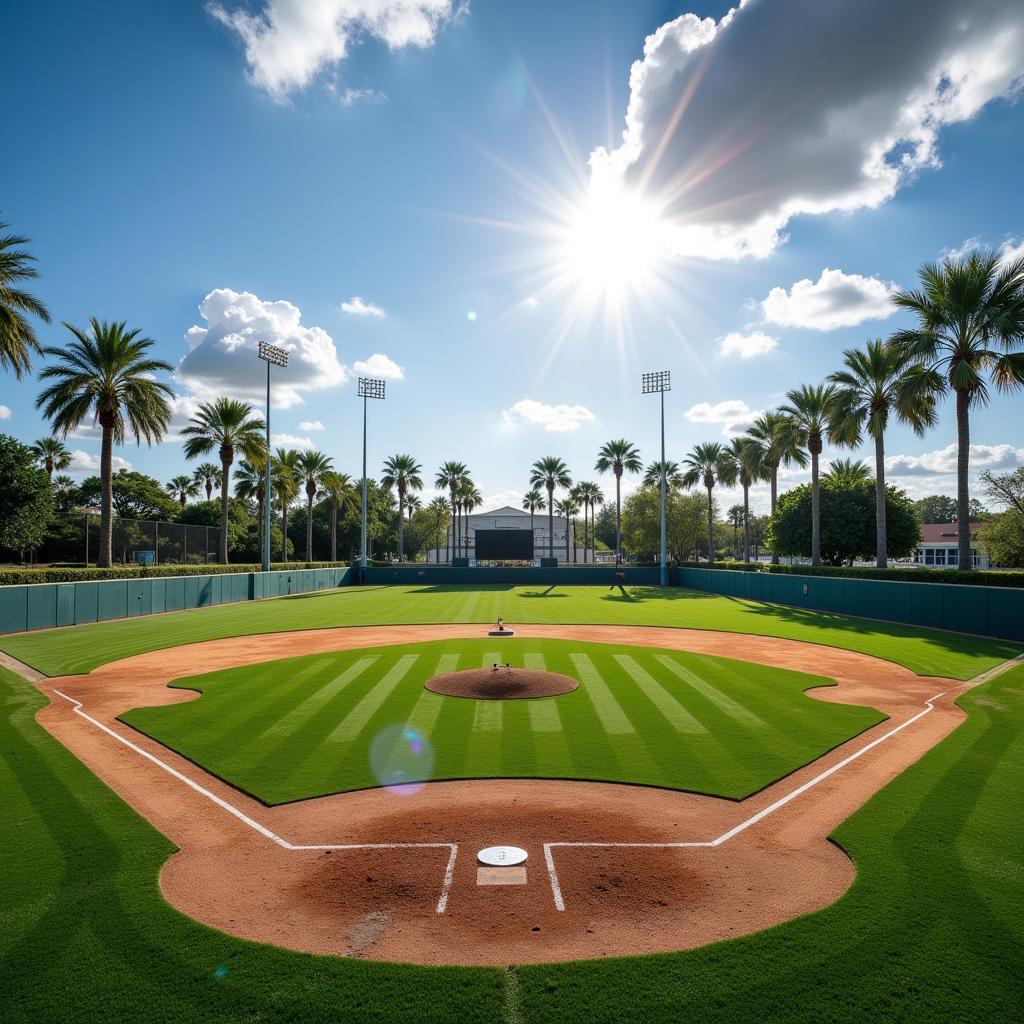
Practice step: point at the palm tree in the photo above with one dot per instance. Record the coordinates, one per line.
(207, 475)
(878, 381)
(735, 518)
(412, 503)
(250, 485)
(673, 474)
(402, 472)
(53, 453)
(439, 509)
(596, 497)
(970, 326)
(17, 336)
(338, 489)
(182, 488)
(587, 494)
(284, 482)
(228, 426)
(618, 457)
(533, 501)
(311, 467)
(810, 408)
(746, 454)
(63, 488)
(709, 463)
(469, 498)
(567, 507)
(550, 472)
(106, 372)
(847, 472)
(779, 440)
(449, 478)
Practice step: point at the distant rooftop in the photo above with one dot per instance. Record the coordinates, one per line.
(939, 533)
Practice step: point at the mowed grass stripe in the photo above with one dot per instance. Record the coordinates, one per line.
(726, 704)
(298, 717)
(679, 718)
(357, 718)
(609, 711)
(544, 716)
(428, 707)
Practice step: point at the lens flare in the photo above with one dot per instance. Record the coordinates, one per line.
(402, 759)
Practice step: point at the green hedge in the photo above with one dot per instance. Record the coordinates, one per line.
(968, 578)
(19, 577)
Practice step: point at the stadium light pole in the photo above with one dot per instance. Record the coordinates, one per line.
(369, 387)
(658, 383)
(271, 355)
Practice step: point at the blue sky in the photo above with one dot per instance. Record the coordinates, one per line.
(431, 160)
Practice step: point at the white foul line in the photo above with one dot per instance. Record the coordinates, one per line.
(262, 829)
(556, 889)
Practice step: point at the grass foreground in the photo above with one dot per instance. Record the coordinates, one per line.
(326, 723)
(931, 931)
(926, 652)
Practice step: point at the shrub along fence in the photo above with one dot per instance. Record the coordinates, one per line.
(43, 605)
(79, 574)
(988, 611)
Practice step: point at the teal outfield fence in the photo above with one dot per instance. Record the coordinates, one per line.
(43, 605)
(571, 575)
(987, 611)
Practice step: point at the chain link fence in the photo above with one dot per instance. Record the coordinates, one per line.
(75, 538)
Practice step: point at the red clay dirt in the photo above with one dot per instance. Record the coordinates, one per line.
(382, 903)
(501, 683)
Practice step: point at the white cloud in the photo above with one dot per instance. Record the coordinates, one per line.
(86, 462)
(379, 365)
(558, 419)
(358, 306)
(1012, 249)
(5, 412)
(308, 425)
(291, 441)
(222, 357)
(531, 302)
(500, 500)
(289, 42)
(349, 96)
(780, 109)
(836, 299)
(747, 346)
(942, 461)
(734, 414)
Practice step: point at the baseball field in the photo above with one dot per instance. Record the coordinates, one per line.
(731, 811)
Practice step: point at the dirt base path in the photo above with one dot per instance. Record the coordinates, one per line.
(393, 877)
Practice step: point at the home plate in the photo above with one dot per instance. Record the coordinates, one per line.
(501, 865)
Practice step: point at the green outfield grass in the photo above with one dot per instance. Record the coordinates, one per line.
(327, 723)
(927, 652)
(932, 930)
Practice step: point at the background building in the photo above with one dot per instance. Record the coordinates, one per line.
(514, 521)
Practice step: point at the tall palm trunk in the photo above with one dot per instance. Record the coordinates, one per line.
(775, 495)
(334, 530)
(226, 458)
(881, 539)
(455, 526)
(746, 522)
(209, 488)
(533, 535)
(259, 519)
(618, 514)
(551, 521)
(284, 532)
(963, 456)
(567, 522)
(105, 557)
(310, 495)
(401, 523)
(815, 507)
(711, 527)
(586, 530)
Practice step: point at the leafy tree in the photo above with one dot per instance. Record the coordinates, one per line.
(52, 454)
(402, 472)
(1003, 538)
(847, 522)
(641, 523)
(970, 329)
(106, 372)
(229, 426)
(1005, 489)
(878, 382)
(26, 500)
(779, 439)
(284, 483)
(810, 408)
(450, 478)
(64, 491)
(735, 517)
(618, 457)
(311, 467)
(429, 526)
(133, 495)
(17, 336)
(182, 487)
(550, 472)
(241, 522)
(605, 526)
(708, 464)
(207, 475)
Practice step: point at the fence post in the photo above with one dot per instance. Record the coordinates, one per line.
(156, 544)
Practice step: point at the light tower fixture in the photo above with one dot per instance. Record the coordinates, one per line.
(657, 383)
(369, 387)
(272, 356)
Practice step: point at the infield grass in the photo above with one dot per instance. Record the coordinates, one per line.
(927, 652)
(326, 723)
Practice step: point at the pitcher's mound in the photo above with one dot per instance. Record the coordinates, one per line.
(501, 684)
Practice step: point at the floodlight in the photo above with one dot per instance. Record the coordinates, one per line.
(371, 387)
(660, 380)
(272, 354)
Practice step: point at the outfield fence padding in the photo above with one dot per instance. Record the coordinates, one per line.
(567, 575)
(986, 611)
(45, 605)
